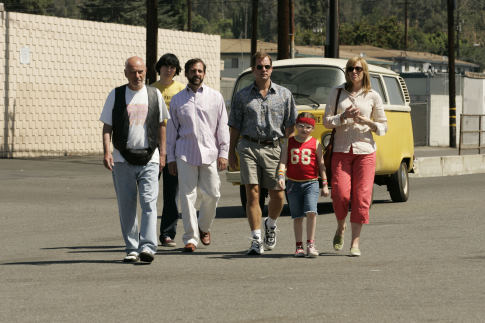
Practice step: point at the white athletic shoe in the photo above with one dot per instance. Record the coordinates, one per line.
(269, 236)
(256, 247)
(131, 257)
(311, 252)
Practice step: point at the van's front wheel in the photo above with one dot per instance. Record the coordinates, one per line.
(398, 185)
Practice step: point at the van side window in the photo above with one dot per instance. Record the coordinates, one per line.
(394, 90)
(376, 84)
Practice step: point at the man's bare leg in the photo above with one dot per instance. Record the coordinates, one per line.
(253, 210)
(275, 204)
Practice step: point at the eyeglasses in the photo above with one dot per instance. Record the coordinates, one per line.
(260, 67)
(358, 69)
(304, 126)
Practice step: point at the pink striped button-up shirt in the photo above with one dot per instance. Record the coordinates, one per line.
(197, 131)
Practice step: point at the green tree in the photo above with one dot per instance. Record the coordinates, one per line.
(309, 37)
(267, 20)
(172, 14)
(238, 24)
(121, 12)
(389, 33)
(373, 22)
(199, 23)
(66, 8)
(39, 7)
(310, 14)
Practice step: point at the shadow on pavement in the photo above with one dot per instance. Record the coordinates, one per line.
(62, 262)
(333, 254)
(222, 254)
(382, 201)
(229, 212)
(90, 249)
(75, 249)
(165, 252)
(85, 247)
(324, 208)
(85, 160)
(238, 254)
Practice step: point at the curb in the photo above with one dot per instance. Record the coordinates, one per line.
(448, 165)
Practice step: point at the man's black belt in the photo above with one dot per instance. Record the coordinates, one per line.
(261, 141)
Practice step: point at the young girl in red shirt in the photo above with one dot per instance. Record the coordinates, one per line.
(302, 160)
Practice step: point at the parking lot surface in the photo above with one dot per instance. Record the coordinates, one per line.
(422, 261)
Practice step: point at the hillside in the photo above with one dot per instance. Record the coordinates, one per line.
(372, 22)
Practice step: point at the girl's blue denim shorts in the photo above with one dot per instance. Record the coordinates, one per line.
(302, 197)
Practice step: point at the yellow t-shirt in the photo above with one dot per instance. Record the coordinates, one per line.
(169, 91)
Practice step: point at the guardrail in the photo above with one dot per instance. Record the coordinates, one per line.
(463, 132)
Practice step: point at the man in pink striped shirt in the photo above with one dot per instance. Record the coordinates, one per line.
(197, 147)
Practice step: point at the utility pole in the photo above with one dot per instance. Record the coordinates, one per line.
(246, 21)
(189, 15)
(332, 48)
(405, 25)
(152, 39)
(254, 28)
(458, 31)
(283, 28)
(451, 72)
(292, 28)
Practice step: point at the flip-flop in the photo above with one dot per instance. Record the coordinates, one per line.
(355, 252)
(338, 242)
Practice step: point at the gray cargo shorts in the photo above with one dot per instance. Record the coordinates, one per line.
(259, 163)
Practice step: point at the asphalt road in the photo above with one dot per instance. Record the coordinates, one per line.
(60, 261)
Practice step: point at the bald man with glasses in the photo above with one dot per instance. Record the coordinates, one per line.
(261, 115)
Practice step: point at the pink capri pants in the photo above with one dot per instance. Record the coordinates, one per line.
(352, 178)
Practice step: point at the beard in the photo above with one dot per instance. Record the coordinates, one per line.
(195, 80)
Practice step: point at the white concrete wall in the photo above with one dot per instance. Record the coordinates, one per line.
(439, 133)
(54, 102)
(439, 124)
(4, 114)
(474, 96)
(435, 91)
(474, 103)
(448, 165)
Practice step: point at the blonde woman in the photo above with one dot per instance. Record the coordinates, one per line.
(359, 113)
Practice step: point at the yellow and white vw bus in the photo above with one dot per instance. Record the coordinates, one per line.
(311, 80)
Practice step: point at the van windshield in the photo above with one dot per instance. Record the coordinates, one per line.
(310, 85)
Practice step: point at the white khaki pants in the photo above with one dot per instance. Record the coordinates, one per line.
(206, 179)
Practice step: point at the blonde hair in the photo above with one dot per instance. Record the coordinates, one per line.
(366, 85)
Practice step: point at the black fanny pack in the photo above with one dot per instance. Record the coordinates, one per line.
(137, 156)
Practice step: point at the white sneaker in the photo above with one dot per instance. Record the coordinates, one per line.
(311, 252)
(131, 257)
(256, 247)
(269, 236)
(146, 256)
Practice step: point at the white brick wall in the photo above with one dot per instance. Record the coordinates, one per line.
(4, 144)
(55, 101)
